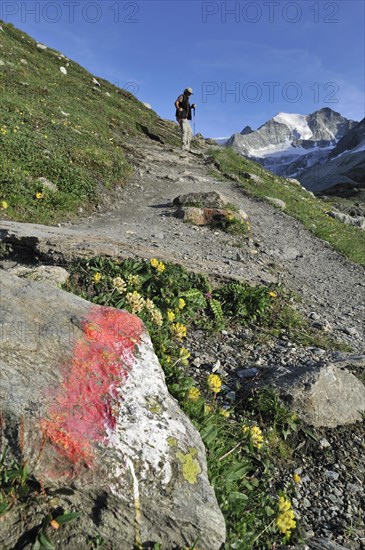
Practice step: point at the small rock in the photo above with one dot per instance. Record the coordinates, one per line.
(276, 202)
(313, 315)
(158, 235)
(48, 184)
(332, 475)
(351, 331)
(24, 61)
(231, 395)
(63, 70)
(2, 63)
(41, 46)
(324, 443)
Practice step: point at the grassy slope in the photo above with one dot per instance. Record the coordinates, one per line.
(300, 204)
(81, 153)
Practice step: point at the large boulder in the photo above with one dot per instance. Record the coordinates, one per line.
(215, 217)
(209, 199)
(323, 395)
(85, 403)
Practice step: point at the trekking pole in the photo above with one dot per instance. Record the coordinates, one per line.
(194, 120)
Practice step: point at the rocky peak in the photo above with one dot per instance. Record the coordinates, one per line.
(247, 130)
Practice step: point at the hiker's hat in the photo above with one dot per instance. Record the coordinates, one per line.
(190, 90)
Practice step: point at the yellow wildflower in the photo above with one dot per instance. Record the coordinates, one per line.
(256, 437)
(284, 504)
(96, 277)
(39, 195)
(4, 205)
(161, 267)
(272, 294)
(170, 315)
(214, 383)
(297, 478)
(224, 412)
(285, 520)
(135, 301)
(182, 303)
(193, 394)
(178, 330)
(208, 408)
(154, 262)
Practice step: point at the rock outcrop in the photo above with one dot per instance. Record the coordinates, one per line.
(85, 403)
(323, 395)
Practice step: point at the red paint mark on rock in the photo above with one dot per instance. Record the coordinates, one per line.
(87, 402)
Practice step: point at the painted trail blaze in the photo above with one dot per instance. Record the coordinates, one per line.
(87, 402)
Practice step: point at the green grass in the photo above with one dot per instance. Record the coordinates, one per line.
(310, 211)
(81, 151)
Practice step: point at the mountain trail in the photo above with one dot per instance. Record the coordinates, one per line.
(279, 249)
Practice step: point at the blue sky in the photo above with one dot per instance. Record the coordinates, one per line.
(245, 60)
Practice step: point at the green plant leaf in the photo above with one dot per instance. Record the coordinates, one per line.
(45, 542)
(65, 518)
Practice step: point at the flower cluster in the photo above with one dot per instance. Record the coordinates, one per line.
(214, 383)
(134, 280)
(193, 394)
(178, 330)
(156, 317)
(3, 131)
(96, 277)
(184, 356)
(3, 205)
(135, 301)
(285, 520)
(159, 266)
(170, 315)
(120, 284)
(181, 303)
(255, 434)
(39, 195)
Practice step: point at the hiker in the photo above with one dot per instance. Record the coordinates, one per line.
(183, 115)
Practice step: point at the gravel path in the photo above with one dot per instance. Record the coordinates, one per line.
(280, 248)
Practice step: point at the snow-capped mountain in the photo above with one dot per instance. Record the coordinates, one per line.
(289, 143)
(344, 168)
